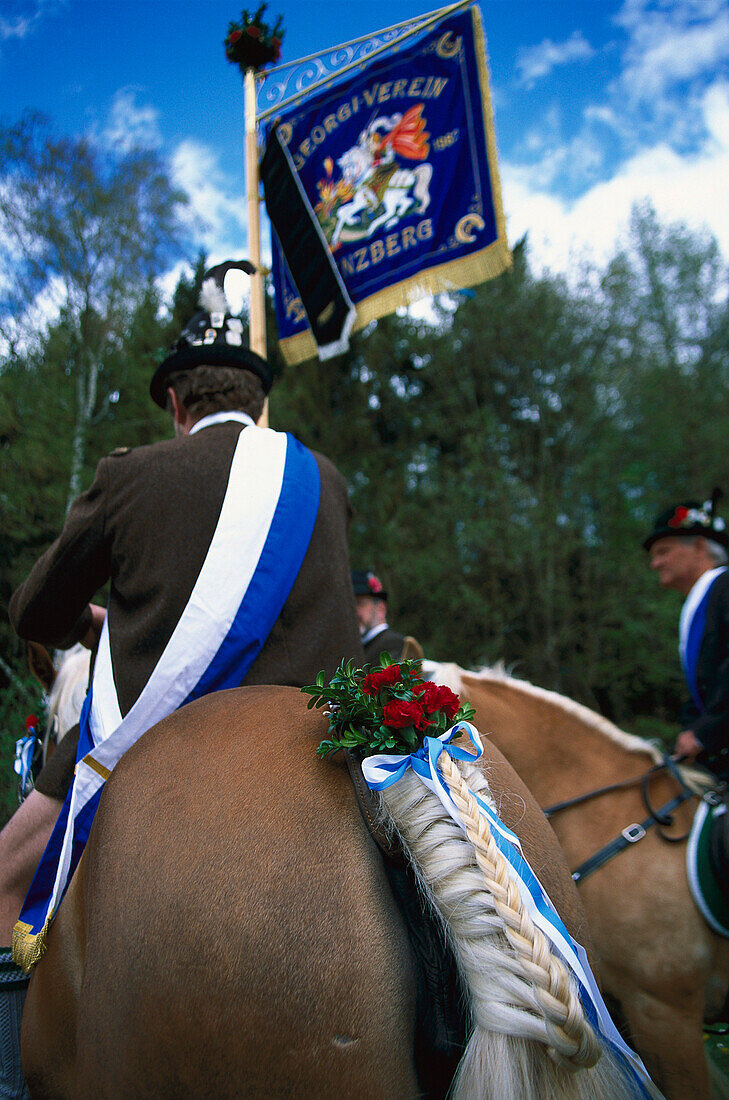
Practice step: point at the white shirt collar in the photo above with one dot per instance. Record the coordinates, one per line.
(373, 633)
(220, 418)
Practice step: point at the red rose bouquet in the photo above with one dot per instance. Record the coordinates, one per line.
(389, 710)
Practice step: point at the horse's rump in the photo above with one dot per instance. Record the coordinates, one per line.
(221, 866)
(230, 930)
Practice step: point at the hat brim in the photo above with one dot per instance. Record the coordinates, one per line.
(208, 355)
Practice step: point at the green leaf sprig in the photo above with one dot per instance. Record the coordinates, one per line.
(389, 709)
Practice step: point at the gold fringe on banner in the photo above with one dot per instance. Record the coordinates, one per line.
(452, 275)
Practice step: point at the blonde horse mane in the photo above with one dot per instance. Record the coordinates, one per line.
(68, 693)
(697, 779)
(530, 1036)
(451, 675)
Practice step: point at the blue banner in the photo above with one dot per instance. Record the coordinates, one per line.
(398, 163)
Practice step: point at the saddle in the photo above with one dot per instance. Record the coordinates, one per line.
(411, 649)
(442, 1018)
(707, 859)
(718, 843)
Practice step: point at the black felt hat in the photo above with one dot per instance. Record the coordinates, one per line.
(213, 338)
(365, 583)
(690, 519)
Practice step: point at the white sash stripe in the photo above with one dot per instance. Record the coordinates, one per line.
(690, 606)
(251, 497)
(106, 716)
(250, 501)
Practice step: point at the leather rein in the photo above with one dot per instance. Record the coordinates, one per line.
(631, 834)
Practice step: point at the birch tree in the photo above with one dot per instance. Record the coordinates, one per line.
(84, 230)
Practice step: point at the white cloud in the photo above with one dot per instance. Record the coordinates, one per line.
(565, 163)
(131, 125)
(682, 187)
(672, 45)
(214, 198)
(535, 62)
(609, 117)
(19, 18)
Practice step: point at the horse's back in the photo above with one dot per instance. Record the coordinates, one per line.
(231, 923)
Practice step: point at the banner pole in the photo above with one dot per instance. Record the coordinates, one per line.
(257, 319)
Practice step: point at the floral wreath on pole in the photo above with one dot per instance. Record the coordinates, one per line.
(251, 43)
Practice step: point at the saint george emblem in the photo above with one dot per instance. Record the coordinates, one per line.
(377, 186)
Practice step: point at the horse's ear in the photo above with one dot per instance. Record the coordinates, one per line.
(41, 665)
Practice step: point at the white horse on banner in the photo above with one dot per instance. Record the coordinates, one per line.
(406, 191)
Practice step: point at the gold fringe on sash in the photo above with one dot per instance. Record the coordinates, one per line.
(29, 947)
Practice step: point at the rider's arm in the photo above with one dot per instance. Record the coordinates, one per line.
(52, 605)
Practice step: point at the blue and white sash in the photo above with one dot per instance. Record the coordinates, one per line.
(262, 535)
(691, 629)
(383, 770)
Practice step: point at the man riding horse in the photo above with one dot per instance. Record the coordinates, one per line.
(226, 548)
(688, 549)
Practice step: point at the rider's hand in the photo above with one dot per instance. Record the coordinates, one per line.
(687, 745)
(92, 635)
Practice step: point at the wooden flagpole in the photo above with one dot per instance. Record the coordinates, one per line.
(257, 317)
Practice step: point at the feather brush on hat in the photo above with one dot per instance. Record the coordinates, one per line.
(212, 297)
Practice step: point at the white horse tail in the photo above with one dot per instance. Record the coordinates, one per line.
(531, 1039)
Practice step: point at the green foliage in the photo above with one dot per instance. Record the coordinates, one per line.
(23, 697)
(90, 229)
(505, 465)
(389, 710)
(251, 43)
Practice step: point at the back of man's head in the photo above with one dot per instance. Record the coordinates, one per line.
(204, 390)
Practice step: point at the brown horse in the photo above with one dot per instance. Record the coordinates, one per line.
(656, 955)
(230, 930)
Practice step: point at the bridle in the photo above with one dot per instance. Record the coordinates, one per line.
(661, 818)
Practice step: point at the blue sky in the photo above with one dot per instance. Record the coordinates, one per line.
(598, 103)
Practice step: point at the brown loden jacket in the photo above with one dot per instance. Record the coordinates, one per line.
(146, 524)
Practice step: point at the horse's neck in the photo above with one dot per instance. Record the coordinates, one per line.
(557, 747)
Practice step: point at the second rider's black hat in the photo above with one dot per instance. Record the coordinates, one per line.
(690, 519)
(365, 583)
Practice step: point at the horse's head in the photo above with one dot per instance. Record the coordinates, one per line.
(354, 163)
(69, 689)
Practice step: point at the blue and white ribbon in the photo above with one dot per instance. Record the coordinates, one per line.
(691, 629)
(26, 753)
(383, 770)
(262, 535)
